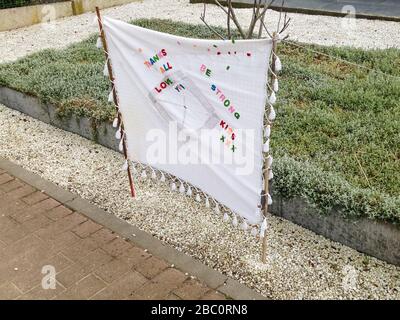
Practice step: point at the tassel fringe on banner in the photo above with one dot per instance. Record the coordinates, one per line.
(184, 188)
(275, 68)
(142, 171)
(164, 177)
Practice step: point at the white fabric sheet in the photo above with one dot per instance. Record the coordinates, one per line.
(165, 82)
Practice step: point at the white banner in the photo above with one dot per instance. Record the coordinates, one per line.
(194, 108)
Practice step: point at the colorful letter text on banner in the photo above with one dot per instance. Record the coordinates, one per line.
(194, 109)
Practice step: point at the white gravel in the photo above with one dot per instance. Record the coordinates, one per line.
(301, 265)
(305, 28)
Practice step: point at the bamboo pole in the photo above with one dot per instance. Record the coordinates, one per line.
(267, 168)
(115, 98)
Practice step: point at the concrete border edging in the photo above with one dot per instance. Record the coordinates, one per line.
(374, 238)
(212, 278)
(13, 18)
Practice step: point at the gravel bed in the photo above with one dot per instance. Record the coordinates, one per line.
(301, 264)
(305, 28)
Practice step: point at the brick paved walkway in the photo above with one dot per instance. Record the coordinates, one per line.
(91, 262)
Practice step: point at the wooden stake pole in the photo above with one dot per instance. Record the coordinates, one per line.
(267, 168)
(115, 98)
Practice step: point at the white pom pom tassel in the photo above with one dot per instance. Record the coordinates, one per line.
(275, 85)
(162, 178)
(111, 97)
(269, 161)
(198, 199)
(207, 203)
(144, 174)
(266, 146)
(226, 217)
(118, 134)
(125, 165)
(173, 186)
(189, 192)
(235, 221)
(115, 123)
(99, 43)
(263, 228)
(267, 132)
(254, 232)
(278, 64)
(270, 175)
(272, 114)
(269, 199)
(105, 70)
(133, 168)
(121, 145)
(182, 188)
(154, 175)
(244, 226)
(272, 98)
(217, 208)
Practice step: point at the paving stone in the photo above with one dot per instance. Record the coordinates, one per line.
(122, 287)
(83, 267)
(191, 290)
(57, 213)
(160, 286)
(86, 229)
(36, 223)
(134, 256)
(38, 293)
(22, 246)
(35, 197)
(32, 211)
(7, 223)
(151, 267)
(213, 295)
(13, 234)
(4, 178)
(84, 289)
(103, 236)
(172, 296)
(80, 249)
(9, 291)
(67, 223)
(116, 247)
(58, 242)
(11, 185)
(8, 205)
(21, 192)
(28, 280)
(112, 270)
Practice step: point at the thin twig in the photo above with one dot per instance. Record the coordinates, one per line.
(362, 170)
(203, 18)
(228, 22)
(233, 16)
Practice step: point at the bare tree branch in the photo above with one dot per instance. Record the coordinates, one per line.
(228, 21)
(233, 16)
(203, 18)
